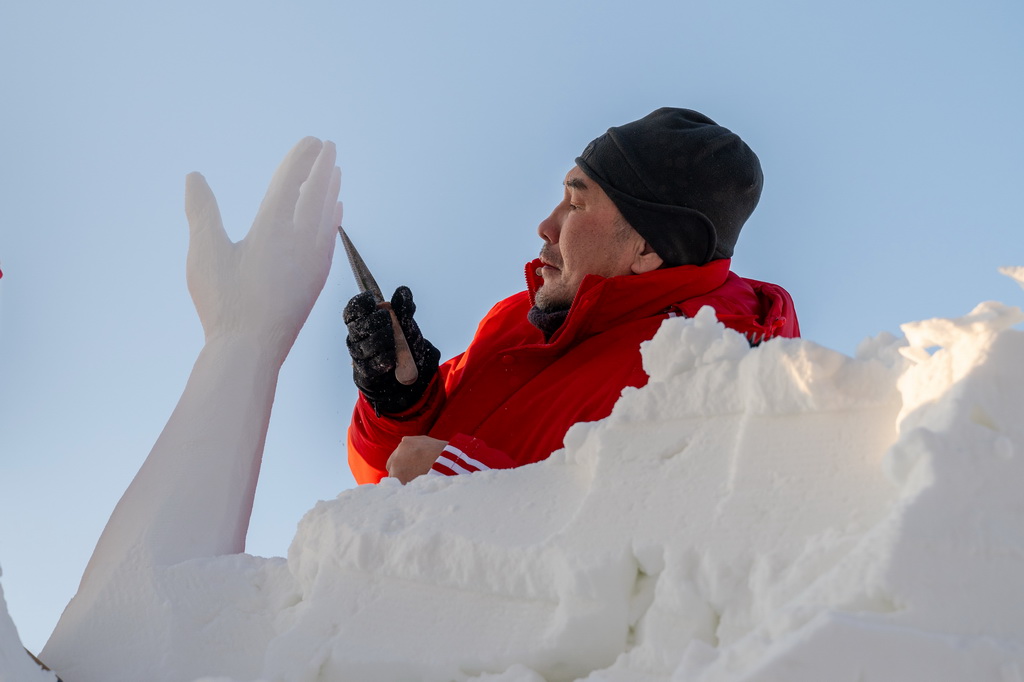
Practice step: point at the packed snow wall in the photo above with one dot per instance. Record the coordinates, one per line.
(783, 512)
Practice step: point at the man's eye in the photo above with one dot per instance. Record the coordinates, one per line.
(573, 207)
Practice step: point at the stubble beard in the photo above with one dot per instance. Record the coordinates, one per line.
(551, 297)
(549, 301)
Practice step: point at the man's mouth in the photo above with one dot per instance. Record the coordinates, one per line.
(547, 263)
(546, 269)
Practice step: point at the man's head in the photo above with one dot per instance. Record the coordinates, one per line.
(586, 235)
(673, 188)
(682, 181)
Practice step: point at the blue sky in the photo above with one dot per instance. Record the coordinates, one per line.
(889, 133)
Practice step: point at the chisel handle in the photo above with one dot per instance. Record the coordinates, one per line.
(405, 366)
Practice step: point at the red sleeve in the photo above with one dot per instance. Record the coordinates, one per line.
(372, 438)
(466, 454)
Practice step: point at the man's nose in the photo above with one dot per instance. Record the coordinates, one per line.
(549, 228)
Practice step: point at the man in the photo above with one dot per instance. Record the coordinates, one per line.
(645, 231)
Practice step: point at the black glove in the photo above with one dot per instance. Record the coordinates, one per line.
(371, 343)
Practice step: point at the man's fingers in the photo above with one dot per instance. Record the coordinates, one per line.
(206, 230)
(402, 303)
(413, 457)
(398, 466)
(360, 305)
(372, 336)
(280, 200)
(405, 309)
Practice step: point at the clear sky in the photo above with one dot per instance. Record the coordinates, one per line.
(889, 133)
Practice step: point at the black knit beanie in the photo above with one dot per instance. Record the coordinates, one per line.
(685, 183)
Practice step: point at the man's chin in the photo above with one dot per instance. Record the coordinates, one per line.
(548, 301)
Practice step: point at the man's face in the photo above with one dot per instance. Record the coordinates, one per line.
(584, 235)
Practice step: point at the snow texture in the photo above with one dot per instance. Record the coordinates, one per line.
(783, 512)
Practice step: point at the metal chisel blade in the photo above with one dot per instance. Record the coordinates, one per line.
(362, 273)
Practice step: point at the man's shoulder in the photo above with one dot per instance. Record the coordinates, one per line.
(507, 319)
(517, 304)
(758, 309)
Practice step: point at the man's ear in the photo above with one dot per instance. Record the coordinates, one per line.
(646, 260)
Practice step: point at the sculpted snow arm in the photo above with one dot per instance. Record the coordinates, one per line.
(193, 495)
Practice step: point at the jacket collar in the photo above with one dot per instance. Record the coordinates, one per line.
(605, 302)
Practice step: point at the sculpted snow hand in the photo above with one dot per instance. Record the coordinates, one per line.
(193, 496)
(266, 284)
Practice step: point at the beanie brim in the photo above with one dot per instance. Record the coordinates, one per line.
(649, 219)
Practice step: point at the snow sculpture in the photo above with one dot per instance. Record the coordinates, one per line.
(15, 664)
(193, 495)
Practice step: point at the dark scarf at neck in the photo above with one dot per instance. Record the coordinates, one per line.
(547, 322)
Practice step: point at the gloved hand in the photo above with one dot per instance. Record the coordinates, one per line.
(371, 343)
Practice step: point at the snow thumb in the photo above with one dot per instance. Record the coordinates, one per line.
(205, 227)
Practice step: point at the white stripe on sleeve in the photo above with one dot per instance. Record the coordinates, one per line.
(465, 459)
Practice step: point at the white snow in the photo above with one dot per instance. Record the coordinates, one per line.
(782, 512)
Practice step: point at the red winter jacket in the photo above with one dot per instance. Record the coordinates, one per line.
(509, 399)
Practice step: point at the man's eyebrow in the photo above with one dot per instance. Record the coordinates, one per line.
(576, 183)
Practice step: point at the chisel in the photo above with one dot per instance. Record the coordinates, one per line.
(405, 366)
